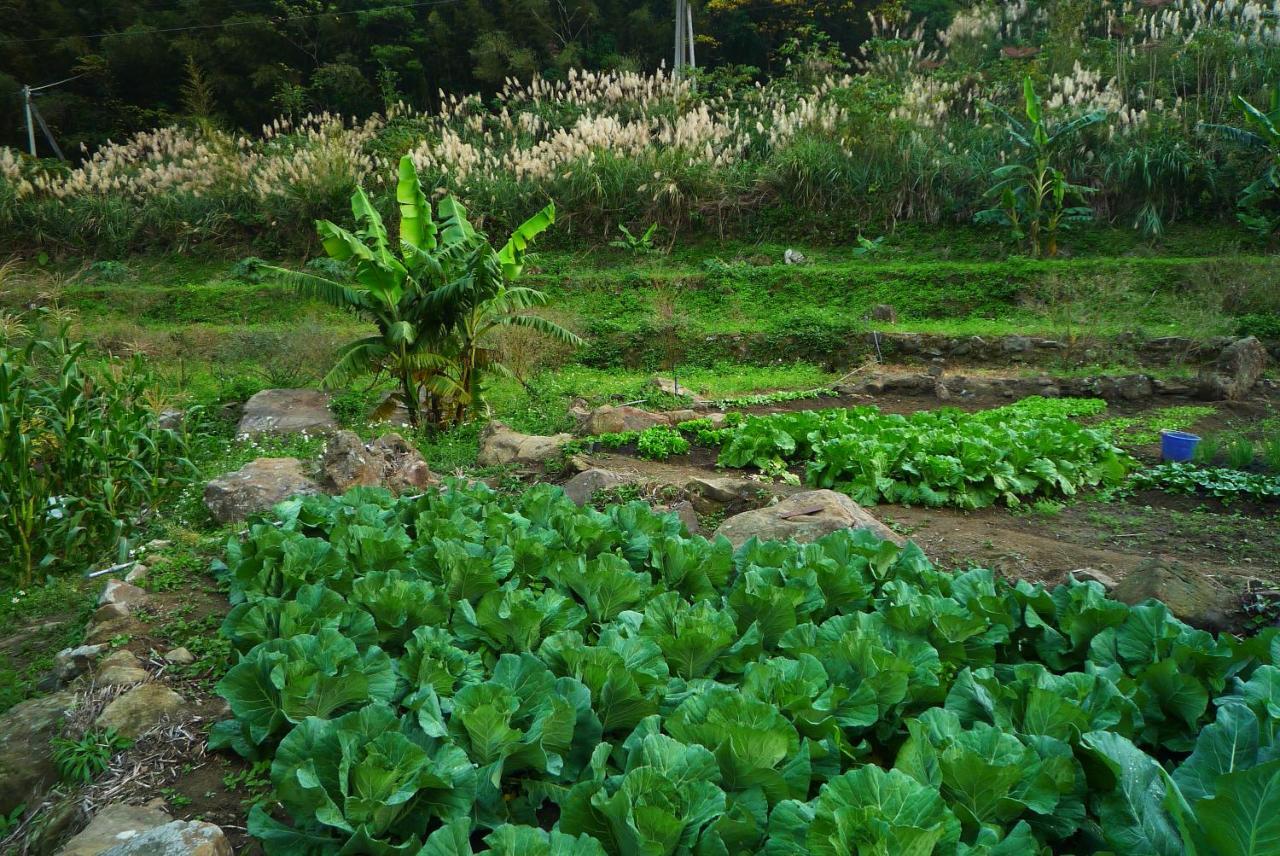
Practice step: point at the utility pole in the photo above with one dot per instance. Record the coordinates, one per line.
(684, 54)
(31, 113)
(31, 128)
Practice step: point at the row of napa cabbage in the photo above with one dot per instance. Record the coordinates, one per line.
(935, 458)
(428, 673)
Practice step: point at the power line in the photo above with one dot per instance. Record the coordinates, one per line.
(228, 24)
(55, 83)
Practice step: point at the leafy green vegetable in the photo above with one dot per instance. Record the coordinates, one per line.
(942, 457)
(558, 679)
(1221, 482)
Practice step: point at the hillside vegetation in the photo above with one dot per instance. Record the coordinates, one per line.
(915, 129)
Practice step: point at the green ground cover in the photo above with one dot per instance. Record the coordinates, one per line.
(205, 321)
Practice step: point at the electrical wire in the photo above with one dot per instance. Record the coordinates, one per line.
(228, 24)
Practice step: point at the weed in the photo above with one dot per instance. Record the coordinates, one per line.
(254, 781)
(1240, 453)
(80, 761)
(10, 821)
(175, 798)
(1207, 449)
(1145, 428)
(1271, 453)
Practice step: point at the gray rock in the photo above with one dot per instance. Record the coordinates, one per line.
(55, 823)
(803, 517)
(180, 657)
(500, 446)
(884, 312)
(121, 592)
(71, 663)
(688, 516)
(584, 485)
(390, 462)
(120, 669)
(1134, 387)
(101, 632)
(1235, 373)
(404, 470)
(256, 487)
(347, 463)
(1172, 387)
(672, 386)
(141, 709)
(794, 257)
(675, 417)
(716, 494)
(26, 758)
(170, 419)
(110, 612)
(112, 826)
(615, 420)
(136, 574)
(1189, 595)
(287, 411)
(177, 838)
(1104, 579)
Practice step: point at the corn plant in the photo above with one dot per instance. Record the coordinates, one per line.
(1035, 198)
(436, 301)
(82, 456)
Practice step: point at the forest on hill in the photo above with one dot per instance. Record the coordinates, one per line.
(239, 63)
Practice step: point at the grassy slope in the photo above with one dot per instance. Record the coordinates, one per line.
(939, 280)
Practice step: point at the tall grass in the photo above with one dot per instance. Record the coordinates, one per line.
(911, 136)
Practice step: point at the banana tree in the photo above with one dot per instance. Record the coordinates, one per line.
(1035, 197)
(433, 300)
(1259, 203)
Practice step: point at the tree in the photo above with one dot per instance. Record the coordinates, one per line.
(1035, 196)
(1259, 203)
(435, 301)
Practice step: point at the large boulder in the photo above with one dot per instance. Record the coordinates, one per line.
(287, 411)
(803, 517)
(176, 838)
(26, 758)
(71, 663)
(388, 462)
(141, 709)
(120, 669)
(584, 485)
(1237, 370)
(102, 631)
(500, 446)
(608, 419)
(114, 825)
(672, 386)
(122, 593)
(1190, 595)
(712, 495)
(256, 487)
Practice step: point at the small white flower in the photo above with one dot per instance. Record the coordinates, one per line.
(15, 600)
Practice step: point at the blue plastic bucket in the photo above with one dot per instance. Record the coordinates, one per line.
(1178, 445)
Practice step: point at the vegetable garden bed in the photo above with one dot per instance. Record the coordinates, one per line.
(469, 666)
